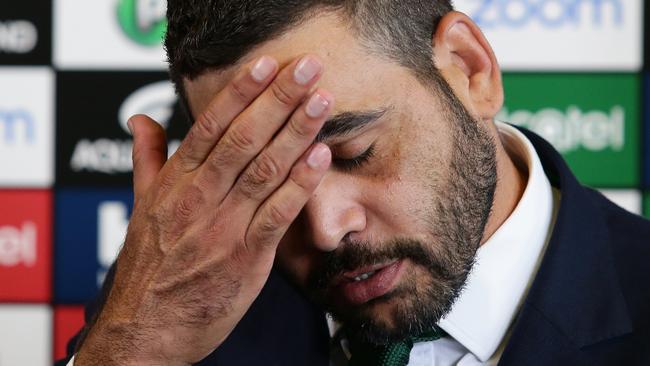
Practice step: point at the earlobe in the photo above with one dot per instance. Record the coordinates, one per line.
(467, 62)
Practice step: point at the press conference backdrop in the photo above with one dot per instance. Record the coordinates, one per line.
(73, 71)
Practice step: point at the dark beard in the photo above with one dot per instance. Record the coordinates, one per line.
(419, 309)
(457, 220)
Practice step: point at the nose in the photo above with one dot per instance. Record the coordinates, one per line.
(332, 213)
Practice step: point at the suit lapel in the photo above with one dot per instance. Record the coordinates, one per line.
(576, 299)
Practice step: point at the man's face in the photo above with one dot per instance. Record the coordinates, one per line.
(388, 238)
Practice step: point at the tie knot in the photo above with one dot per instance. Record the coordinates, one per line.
(391, 354)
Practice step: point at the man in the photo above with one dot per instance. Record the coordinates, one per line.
(431, 234)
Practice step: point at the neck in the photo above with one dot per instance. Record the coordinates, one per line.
(512, 176)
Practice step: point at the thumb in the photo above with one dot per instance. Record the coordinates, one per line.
(149, 152)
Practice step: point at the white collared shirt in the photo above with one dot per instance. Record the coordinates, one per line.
(506, 264)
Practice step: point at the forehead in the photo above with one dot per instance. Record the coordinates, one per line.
(358, 78)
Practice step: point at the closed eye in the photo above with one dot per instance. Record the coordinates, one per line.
(355, 162)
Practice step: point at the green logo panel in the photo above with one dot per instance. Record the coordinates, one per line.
(592, 119)
(646, 204)
(143, 21)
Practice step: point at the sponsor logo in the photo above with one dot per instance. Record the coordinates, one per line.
(18, 36)
(87, 242)
(592, 119)
(572, 129)
(548, 13)
(108, 35)
(17, 125)
(18, 245)
(113, 156)
(143, 21)
(26, 127)
(25, 246)
(155, 100)
(108, 156)
(112, 222)
(561, 35)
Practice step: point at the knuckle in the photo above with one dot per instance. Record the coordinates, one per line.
(208, 123)
(300, 131)
(266, 168)
(282, 95)
(249, 186)
(239, 138)
(218, 224)
(261, 174)
(278, 217)
(186, 150)
(263, 234)
(216, 161)
(188, 204)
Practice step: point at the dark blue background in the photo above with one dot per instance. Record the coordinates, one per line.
(75, 240)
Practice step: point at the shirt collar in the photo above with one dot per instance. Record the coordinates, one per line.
(507, 262)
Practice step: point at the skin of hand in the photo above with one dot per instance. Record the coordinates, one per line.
(206, 222)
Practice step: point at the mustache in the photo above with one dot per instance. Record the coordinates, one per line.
(354, 254)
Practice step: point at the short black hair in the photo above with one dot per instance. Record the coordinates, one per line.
(204, 35)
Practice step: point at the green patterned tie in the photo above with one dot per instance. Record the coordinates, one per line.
(393, 354)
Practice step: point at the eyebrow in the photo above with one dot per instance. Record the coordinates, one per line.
(347, 122)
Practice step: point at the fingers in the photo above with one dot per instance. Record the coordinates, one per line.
(256, 126)
(271, 167)
(250, 81)
(273, 218)
(149, 152)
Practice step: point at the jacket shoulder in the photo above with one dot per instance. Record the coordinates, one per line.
(629, 238)
(629, 233)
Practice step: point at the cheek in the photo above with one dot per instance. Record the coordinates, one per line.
(397, 209)
(403, 201)
(393, 196)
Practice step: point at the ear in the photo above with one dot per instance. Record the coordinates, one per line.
(467, 62)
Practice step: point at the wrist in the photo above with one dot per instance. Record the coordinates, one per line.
(121, 345)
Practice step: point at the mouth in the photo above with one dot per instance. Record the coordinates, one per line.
(368, 282)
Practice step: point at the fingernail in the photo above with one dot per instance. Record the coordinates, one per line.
(316, 106)
(318, 157)
(129, 124)
(262, 69)
(306, 70)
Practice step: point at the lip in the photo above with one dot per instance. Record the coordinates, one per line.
(380, 283)
(350, 275)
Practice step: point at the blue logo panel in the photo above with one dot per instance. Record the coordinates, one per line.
(90, 225)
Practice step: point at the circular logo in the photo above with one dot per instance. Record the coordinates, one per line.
(143, 21)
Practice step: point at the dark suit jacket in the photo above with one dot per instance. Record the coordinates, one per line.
(589, 303)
